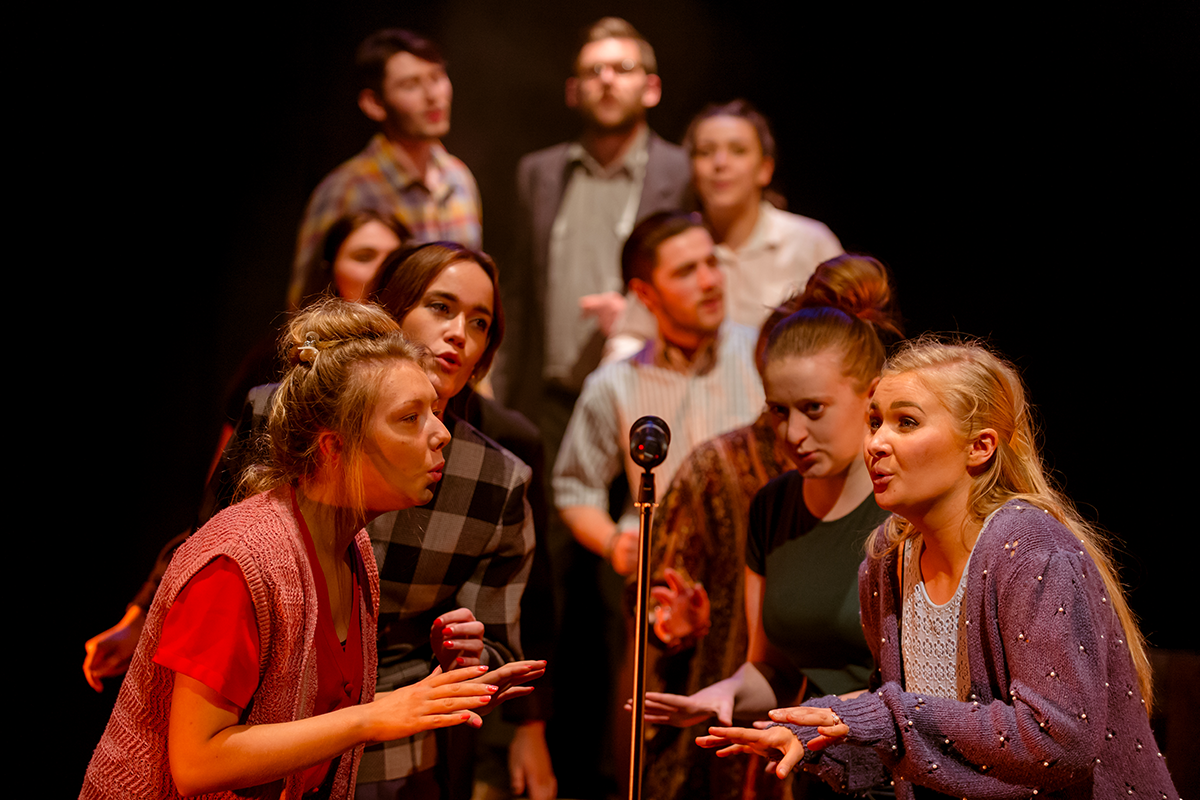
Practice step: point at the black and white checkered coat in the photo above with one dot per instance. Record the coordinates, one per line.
(470, 547)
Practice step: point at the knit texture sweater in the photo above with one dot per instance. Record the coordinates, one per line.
(1053, 707)
(261, 535)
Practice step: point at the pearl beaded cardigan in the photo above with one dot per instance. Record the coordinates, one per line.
(1053, 708)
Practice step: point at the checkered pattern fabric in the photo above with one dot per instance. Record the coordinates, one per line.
(442, 205)
(470, 547)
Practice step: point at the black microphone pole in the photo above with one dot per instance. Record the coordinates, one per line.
(648, 441)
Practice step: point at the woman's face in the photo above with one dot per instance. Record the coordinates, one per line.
(452, 319)
(402, 450)
(819, 415)
(358, 259)
(728, 167)
(917, 458)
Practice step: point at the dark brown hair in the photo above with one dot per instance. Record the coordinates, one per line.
(406, 274)
(370, 62)
(639, 255)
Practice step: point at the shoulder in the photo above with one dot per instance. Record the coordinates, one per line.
(787, 223)
(659, 149)
(1019, 538)
(353, 168)
(779, 490)
(737, 341)
(474, 456)
(543, 159)
(454, 167)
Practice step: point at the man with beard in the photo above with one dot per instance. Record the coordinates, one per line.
(404, 171)
(578, 203)
(563, 290)
(697, 373)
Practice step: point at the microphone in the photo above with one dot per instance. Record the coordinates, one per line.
(648, 441)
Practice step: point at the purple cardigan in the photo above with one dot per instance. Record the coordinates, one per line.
(1053, 708)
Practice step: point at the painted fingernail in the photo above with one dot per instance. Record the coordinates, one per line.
(492, 688)
(460, 660)
(482, 668)
(447, 631)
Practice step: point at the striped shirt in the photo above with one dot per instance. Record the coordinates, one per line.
(442, 205)
(697, 405)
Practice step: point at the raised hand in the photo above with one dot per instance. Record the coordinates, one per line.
(457, 639)
(681, 613)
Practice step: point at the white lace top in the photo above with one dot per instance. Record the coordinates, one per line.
(935, 662)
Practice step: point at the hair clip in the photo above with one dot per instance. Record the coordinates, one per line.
(308, 351)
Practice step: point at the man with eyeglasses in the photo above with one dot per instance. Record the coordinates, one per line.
(404, 171)
(579, 201)
(563, 293)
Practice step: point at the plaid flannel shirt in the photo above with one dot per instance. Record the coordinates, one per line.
(442, 205)
(471, 546)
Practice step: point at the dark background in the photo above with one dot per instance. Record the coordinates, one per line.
(1030, 178)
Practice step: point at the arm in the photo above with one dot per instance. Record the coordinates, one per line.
(745, 694)
(1048, 729)
(209, 751)
(589, 461)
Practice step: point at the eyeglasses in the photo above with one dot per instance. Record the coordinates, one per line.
(619, 68)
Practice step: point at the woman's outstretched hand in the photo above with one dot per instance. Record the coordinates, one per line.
(683, 711)
(828, 724)
(457, 639)
(509, 681)
(778, 745)
(439, 701)
(681, 613)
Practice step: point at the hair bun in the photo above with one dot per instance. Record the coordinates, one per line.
(859, 286)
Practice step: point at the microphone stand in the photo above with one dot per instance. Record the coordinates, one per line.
(645, 505)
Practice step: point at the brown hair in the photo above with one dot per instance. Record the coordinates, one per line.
(321, 280)
(741, 109)
(982, 390)
(847, 303)
(405, 275)
(639, 254)
(617, 28)
(336, 351)
(370, 61)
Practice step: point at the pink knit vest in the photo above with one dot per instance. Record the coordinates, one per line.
(262, 536)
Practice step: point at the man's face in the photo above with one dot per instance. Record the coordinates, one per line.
(687, 289)
(611, 88)
(415, 103)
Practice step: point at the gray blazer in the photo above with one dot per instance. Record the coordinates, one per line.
(541, 182)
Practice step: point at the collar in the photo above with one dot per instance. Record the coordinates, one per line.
(660, 353)
(404, 170)
(634, 160)
(765, 236)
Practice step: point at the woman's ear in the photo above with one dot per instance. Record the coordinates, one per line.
(982, 447)
(329, 445)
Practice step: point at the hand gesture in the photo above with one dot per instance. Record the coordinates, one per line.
(109, 653)
(439, 701)
(778, 745)
(509, 681)
(682, 612)
(827, 723)
(457, 639)
(606, 307)
(683, 711)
